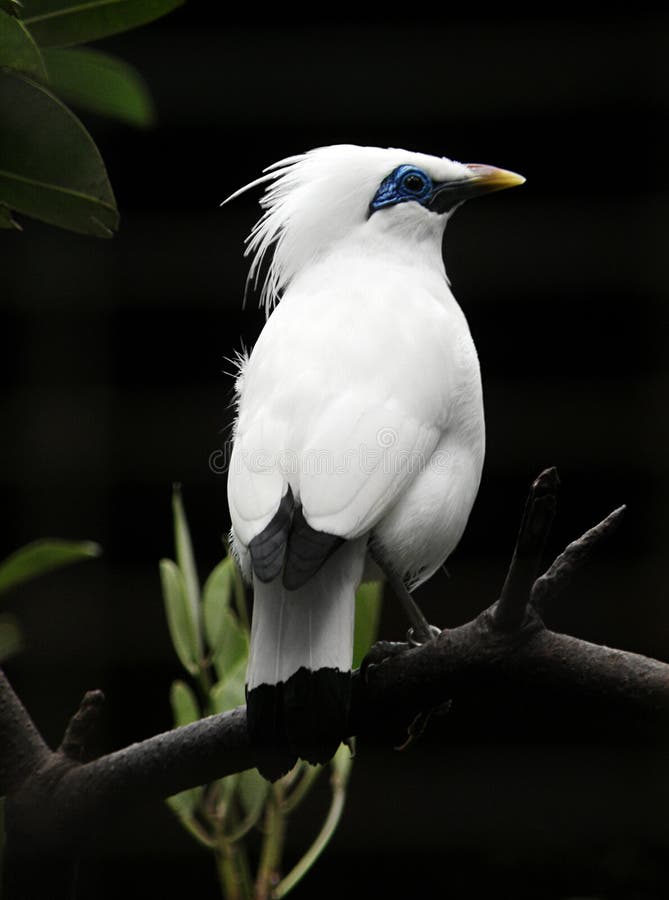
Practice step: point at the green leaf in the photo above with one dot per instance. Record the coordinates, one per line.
(183, 804)
(233, 647)
(342, 763)
(252, 788)
(186, 561)
(10, 637)
(61, 23)
(18, 50)
(367, 616)
(100, 83)
(179, 620)
(43, 556)
(230, 693)
(183, 701)
(216, 595)
(49, 166)
(13, 7)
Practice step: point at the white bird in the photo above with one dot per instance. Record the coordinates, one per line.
(359, 436)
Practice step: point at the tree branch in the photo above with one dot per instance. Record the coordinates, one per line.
(55, 799)
(76, 743)
(573, 557)
(535, 527)
(22, 750)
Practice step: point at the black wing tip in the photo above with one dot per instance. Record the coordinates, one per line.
(268, 549)
(307, 551)
(289, 543)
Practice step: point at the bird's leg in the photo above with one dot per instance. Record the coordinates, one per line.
(421, 631)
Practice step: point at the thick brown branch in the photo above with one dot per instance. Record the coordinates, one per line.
(66, 798)
(22, 750)
(55, 800)
(477, 653)
(69, 797)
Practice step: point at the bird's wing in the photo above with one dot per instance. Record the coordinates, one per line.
(256, 476)
(359, 460)
(355, 462)
(325, 411)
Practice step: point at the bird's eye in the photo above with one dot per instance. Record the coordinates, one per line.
(413, 182)
(404, 184)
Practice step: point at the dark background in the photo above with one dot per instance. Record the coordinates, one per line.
(114, 385)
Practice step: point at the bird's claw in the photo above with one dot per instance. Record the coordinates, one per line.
(379, 652)
(414, 641)
(383, 650)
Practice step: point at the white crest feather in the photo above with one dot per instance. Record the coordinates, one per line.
(311, 200)
(239, 362)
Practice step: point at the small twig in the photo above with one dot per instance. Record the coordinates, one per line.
(511, 608)
(575, 555)
(323, 838)
(76, 743)
(233, 870)
(338, 782)
(198, 832)
(272, 845)
(302, 788)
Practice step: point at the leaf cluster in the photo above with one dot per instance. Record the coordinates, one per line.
(210, 631)
(50, 167)
(36, 558)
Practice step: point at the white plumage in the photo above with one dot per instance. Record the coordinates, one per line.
(361, 398)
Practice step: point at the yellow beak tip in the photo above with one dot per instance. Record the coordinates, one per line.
(493, 178)
(505, 179)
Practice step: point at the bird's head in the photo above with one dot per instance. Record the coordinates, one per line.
(316, 199)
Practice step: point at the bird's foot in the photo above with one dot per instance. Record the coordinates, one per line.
(384, 650)
(379, 652)
(418, 637)
(393, 726)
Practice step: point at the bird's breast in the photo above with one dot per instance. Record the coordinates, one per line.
(351, 348)
(395, 334)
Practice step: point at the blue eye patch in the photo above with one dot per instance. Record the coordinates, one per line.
(403, 184)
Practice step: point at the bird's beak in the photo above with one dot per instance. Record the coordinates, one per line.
(485, 179)
(481, 180)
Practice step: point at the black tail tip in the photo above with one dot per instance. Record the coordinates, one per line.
(305, 717)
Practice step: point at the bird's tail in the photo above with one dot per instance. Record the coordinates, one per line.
(298, 681)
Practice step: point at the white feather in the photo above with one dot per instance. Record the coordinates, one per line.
(364, 369)
(313, 199)
(362, 393)
(310, 627)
